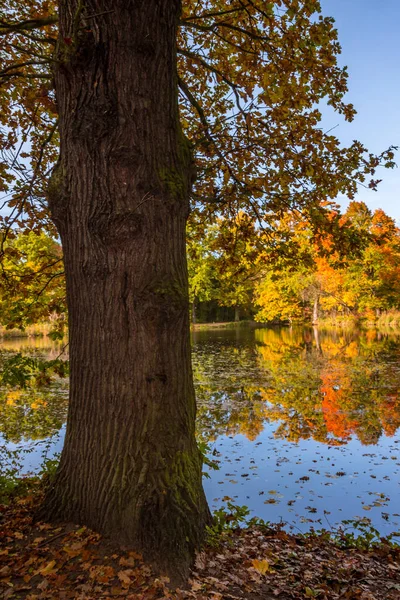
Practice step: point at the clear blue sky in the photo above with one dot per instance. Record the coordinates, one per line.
(369, 33)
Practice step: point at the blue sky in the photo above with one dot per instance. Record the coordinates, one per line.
(369, 36)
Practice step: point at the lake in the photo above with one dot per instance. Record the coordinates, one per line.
(302, 423)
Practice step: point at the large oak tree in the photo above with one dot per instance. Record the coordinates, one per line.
(117, 119)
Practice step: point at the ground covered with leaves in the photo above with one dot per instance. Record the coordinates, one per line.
(42, 561)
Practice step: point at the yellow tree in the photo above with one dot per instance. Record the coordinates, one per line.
(239, 253)
(32, 283)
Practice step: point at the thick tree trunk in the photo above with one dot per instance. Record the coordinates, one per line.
(237, 314)
(130, 466)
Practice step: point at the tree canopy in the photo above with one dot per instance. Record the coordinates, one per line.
(251, 79)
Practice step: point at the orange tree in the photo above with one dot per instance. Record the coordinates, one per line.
(117, 119)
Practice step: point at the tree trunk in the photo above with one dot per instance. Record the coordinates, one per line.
(315, 311)
(317, 341)
(237, 314)
(130, 467)
(194, 319)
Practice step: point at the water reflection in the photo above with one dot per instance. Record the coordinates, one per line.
(328, 386)
(32, 415)
(41, 345)
(304, 423)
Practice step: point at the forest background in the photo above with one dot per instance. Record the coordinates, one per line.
(296, 277)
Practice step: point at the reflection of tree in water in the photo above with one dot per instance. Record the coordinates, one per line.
(313, 384)
(38, 411)
(31, 414)
(39, 345)
(320, 385)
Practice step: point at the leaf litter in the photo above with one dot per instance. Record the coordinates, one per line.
(39, 561)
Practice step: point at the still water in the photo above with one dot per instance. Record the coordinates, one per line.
(303, 424)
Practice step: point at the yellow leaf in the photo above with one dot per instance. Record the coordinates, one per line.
(11, 396)
(262, 566)
(48, 568)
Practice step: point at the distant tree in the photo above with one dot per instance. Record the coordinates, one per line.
(201, 268)
(239, 253)
(279, 298)
(357, 281)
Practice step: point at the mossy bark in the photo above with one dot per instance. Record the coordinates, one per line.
(130, 467)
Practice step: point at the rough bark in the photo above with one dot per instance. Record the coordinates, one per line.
(130, 467)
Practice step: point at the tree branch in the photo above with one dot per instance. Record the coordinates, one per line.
(26, 76)
(21, 65)
(28, 25)
(218, 24)
(214, 14)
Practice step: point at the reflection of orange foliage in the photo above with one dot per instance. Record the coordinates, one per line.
(371, 335)
(336, 419)
(251, 429)
(369, 315)
(329, 388)
(390, 414)
(351, 350)
(248, 421)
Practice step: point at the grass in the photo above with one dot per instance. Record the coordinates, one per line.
(36, 330)
(345, 322)
(227, 325)
(389, 319)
